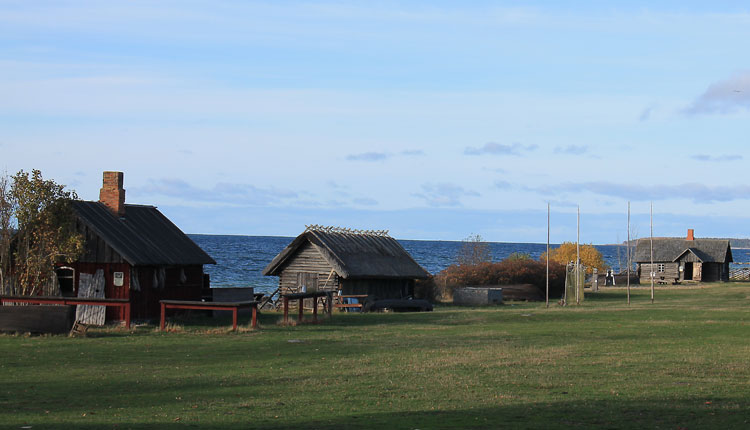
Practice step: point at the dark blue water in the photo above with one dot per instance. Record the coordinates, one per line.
(241, 259)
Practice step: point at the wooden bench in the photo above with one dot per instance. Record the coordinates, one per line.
(339, 299)
(300, 297)
(48, 300)
(213, 306)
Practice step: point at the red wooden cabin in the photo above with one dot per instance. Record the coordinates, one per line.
(144, 256)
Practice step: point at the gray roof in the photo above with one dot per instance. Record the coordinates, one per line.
(667, 249)
(144, 236)
(355, 255)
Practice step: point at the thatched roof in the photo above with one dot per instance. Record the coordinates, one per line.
(668, 249)
(354, 254)
(144, 236)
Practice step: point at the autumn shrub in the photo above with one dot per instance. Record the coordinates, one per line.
(507, 272)
(566, 252)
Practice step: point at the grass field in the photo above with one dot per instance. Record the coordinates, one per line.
(681, 363)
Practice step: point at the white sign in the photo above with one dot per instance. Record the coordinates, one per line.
(118, 278)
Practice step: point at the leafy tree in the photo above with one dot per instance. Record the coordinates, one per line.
(590, 256)
(474, 250)
(38, 214)
(518, 256)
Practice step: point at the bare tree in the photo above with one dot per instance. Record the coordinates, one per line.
(474, 250)
(7, 209)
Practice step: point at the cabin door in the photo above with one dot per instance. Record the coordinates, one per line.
(307, 282)
(91, 286)
(688, 272)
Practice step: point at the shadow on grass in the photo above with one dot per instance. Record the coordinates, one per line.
(615, 414)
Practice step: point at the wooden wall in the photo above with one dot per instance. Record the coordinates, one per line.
(307, 261)
(379, 288)
(110, 291)
(145, 301)
(670, 274)
(706, 272)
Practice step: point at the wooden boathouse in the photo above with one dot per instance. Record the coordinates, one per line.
(346, 262)
(132, 252)
(684, 259)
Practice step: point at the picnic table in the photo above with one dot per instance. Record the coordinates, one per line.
(300, 297)
(214, 306)
(54, 300)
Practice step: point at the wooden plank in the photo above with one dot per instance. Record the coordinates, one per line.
(91, 286)
(36, 319)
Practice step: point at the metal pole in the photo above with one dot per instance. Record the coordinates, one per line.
(652, 252)
(627, 249)
(547, 287)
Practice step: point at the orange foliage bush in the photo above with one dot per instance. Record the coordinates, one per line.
(566, 252)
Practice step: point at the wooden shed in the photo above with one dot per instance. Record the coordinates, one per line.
(684, 259)
(132, 252)
(352, 262)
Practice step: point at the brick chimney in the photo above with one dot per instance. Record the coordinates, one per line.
(691, 234)
(112, 194)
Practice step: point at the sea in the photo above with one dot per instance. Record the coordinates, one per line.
(241, 259)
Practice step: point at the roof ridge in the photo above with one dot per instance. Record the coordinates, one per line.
(344, 230)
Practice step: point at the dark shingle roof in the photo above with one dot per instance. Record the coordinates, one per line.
(144, 236)
(355, 255)
(669, 249)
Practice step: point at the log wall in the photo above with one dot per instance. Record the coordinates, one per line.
(670, 274)
(307, 262)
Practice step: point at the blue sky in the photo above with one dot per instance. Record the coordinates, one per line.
(434, 120)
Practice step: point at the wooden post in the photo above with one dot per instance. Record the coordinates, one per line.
(547, 283)
(578, 254)
(127, 314)
(627, 249)
(300, 303)
(254, 322)
(652, 252)
(163, 311)
(315, 309)
(286, 310)
(234, 318)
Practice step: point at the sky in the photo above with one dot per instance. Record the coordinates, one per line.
(431, 119)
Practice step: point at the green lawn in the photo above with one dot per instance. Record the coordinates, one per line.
(683, 362)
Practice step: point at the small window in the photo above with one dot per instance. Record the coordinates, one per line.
(660, 268)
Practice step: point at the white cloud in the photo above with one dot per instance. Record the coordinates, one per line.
(444, 194)
(726, 96)
(500, 149)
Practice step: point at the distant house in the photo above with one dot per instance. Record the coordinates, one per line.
(133, 252)
(346, 261)
(688, 259)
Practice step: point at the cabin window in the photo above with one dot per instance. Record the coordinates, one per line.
(660, 268)
(66, 280)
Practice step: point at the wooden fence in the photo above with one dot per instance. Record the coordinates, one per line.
(739, 274)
